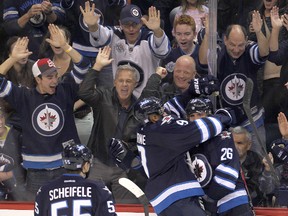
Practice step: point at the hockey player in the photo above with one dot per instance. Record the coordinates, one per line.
(72, 194)
(216, 165)
(162, 142)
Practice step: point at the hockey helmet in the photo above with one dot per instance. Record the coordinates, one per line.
(146, 107)
(198, 105)
(75, 155)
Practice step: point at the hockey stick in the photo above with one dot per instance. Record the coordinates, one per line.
(247, 108)
(138, 193)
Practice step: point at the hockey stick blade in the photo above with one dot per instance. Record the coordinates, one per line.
(247, 108)
(138, 193)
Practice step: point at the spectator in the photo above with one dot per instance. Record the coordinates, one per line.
(131, 43)
(12, 175)
(195, 8)
(72, 194)
(46, 112)
(234, 12)
(113, 117)
(184, 72)
(217, 154)
(109, 11)
(20, 74)
(64, 64)
(184, 31)
(165, 7)
(237, 60)
(278, 53)
(270, 74)
(162, 142)
(31, 19)
(257, 172)
(279, 148)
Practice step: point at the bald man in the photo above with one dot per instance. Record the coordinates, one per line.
(184, 72)
(239, 59)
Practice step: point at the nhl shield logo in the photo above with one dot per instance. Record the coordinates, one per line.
(48, 119)
(232, 88)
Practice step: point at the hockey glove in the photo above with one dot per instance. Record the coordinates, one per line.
(204, 85)
(122, 156)
(6, 168)
(226, 116)
(6, 163)
(279, 148)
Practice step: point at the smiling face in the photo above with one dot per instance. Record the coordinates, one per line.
(125, 83)
(184, 72)
(235, 42)
(46, 84)
(184, 36)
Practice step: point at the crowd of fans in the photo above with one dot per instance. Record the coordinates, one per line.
(72, 72)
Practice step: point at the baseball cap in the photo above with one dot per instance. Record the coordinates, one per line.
(43, 66)
(130, 13)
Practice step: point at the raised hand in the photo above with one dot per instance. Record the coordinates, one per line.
(57, 38)
(283, 125)
(20, 50)
(153, 22)
(275, 19)
(34, 10)
(257, 22)
(90, 17)
(161, 71)
(103, 58)
(46, 6)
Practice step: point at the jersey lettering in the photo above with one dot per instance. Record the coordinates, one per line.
(141, 139)
(77, 205)
(227, 154)
(182, 122)
(65, 192)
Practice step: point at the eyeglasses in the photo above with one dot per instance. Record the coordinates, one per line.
(131, 24)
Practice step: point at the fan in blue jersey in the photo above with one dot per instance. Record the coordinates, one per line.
(46, 111)
(216, 165)
(73, 194)
(162, 141)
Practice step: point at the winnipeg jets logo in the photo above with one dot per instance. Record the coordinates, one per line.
(48, 119)
(233, 87)
(201, 168)
(225, 135)
(166, 119)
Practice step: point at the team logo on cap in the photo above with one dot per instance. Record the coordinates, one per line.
(135, 12)
(48, 119)
(232, 88)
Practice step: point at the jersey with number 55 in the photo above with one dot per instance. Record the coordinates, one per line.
(74, 196)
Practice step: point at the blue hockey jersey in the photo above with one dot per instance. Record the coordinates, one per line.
(162, 147)
(216, 165)
(47, 121)
(73, 195)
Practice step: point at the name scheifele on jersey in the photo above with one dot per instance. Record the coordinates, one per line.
(65, 192)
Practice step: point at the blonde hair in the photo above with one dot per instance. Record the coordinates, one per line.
(199, 5)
